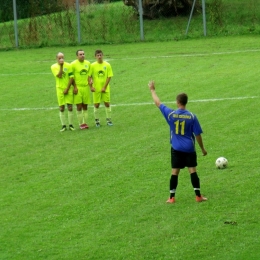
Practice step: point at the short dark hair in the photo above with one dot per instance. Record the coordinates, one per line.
(98, 51)
(77, 52)
(182, 98)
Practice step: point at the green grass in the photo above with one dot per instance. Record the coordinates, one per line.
(100, 193)
(115, 23)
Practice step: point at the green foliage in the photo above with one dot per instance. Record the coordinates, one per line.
(99, 23)
(216, 11)
(100, 193)
(116, 23)
(28, 8)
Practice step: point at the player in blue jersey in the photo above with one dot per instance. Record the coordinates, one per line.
(184, 129)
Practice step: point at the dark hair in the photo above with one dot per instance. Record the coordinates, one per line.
(98, 51)
(182, 98)
(77, 52)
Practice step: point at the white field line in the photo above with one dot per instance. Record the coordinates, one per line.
(189, 55)
(134, 104)
(139, 58)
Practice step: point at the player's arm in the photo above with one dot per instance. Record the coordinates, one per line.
(106, 84)
(154, 95)
(90, 79)
(75, 89)
(90, 83)
(72, 78)
(200, 142)
(109, 76)
(66, 90)
(61, 62)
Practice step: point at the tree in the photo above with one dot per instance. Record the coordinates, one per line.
(28, 8)
(156, 8)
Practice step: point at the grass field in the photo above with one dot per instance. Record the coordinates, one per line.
(100, 193)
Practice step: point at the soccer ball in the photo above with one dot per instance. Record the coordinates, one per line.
(221, 163)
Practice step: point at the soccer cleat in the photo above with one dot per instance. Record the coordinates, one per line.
(201, 198)
(83, 126)
(71, 127)
(170, 200)
(109, 123)
(64, 128)
(97, 124)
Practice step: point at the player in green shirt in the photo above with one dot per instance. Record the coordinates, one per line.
(101, 73)
(82, 97)
(62, 73)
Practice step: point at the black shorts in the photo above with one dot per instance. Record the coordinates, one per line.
(181, 160)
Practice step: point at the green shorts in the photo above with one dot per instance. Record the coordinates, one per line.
(83, 96)
(64, 99)
(99, 97)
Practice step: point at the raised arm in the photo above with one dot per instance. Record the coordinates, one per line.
(59, 75)
(156, 99)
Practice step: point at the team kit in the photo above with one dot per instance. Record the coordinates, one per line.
(80, 82)
(76, 81)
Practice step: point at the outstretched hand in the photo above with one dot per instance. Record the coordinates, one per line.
(151, 85)
(156, 99)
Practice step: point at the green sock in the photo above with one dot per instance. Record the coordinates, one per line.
(85, 116)
(80, 117)
(62, 118)
(96, 113)
(108, 112)
(70, 117)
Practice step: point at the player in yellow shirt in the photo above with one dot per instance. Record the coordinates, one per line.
(101, 73)
(62, 73)
(82, 98)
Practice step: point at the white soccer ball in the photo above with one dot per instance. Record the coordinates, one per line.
(221, 163)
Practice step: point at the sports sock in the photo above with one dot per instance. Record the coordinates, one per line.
(62, 118)
(70, 117)
(108, 112)
(173, 185)
(80, 117)
(85, 116)
(195, 181)
(96, 113)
